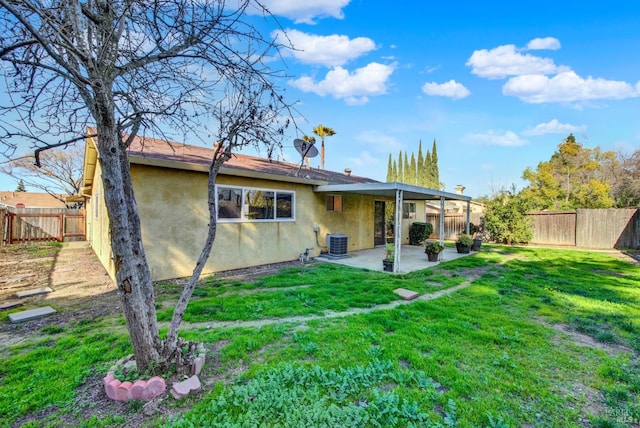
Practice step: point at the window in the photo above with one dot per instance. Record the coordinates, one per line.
(334, 202)
(409, 210)
(96, 205)
(251, 204)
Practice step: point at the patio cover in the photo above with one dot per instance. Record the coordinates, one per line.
(400, 192)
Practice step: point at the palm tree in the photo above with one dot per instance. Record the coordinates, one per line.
(323, 131)
(308, 139)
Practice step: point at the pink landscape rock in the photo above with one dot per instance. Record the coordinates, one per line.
(184, 388)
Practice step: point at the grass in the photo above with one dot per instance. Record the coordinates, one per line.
(489, 355)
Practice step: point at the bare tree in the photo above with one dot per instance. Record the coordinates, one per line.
(59, 173)
(133, 67)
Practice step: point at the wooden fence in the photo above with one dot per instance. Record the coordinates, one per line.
(453, 224)
(584, 228)
(42, 224)
(588, 228)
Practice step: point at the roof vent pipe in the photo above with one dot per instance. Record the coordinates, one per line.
(347, 171)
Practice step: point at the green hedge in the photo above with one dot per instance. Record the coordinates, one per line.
(419, 232)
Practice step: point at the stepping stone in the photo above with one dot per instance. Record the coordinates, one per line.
(10, 305)
(33, 292)
(406, 294)
(31, 314)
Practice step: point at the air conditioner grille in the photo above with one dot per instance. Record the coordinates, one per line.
(337, 244)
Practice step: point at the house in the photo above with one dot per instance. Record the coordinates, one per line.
(31, 200)
(268, 211)
(455, 206)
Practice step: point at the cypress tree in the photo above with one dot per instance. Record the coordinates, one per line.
(427, 171)
(406, 168)
(436, 171)
(411, 177)
(400, 176)
(390, 170)
(395, 170)
(419, 166)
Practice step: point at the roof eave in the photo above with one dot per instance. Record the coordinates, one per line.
(201, 167)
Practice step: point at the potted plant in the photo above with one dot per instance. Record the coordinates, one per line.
(476, 233)
(433, 250)
(387, 262)
(464, 243)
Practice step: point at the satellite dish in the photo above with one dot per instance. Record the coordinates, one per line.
(305, 148)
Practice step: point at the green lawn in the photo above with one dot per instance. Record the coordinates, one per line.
(541, 338)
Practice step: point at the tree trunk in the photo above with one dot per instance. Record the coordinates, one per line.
(171, 340)
(131, 268)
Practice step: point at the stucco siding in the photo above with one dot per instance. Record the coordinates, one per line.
(97, 224)
(174, 216)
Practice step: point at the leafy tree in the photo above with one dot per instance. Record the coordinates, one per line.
(574, 177)
(505, 219)
(323, 131)
(132, 67)
(21, 187)
(626, 180)
(60, 171)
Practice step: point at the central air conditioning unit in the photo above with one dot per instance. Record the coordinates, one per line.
(337, 243)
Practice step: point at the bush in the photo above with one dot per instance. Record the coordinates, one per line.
(419, 232)
(506, 221)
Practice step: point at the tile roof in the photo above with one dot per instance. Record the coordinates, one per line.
(152, 148)
(31, 200)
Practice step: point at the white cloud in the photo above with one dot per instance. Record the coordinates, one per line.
(548, 43)
(506, 60)
(554, 127)
(306, 12)
(451, 89)
(492, 138)
(567, 87)
(329, 51)
(379, 142)
(364, 163)
(354, 87)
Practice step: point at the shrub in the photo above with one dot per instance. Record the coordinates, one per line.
(506, 221)
(419, 232)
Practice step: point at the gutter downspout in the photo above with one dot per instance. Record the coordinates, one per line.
(397, 237)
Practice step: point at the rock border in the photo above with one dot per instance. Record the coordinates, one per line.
(151, 388)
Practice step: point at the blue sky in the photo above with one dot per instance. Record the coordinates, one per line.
(497, 84)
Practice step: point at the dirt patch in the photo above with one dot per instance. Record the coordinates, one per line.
(584, 340)
(82, 290)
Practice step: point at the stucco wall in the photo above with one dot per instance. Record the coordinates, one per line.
(97, 222)
(173, 211)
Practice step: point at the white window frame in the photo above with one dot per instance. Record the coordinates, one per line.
(243, 216)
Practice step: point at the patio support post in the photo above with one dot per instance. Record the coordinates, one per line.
(468, 216)
(441, 220)
(397, 233)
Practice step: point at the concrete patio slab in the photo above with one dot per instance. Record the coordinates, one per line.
(10, 305)
(412, 258)
(406, 294)
(33, 292)
(31, 314)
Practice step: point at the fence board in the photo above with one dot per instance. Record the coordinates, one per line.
(453, 224)
(607, 228)
(44, 224)
(553, 227)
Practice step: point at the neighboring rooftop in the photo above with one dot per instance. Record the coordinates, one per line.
(30, 200)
